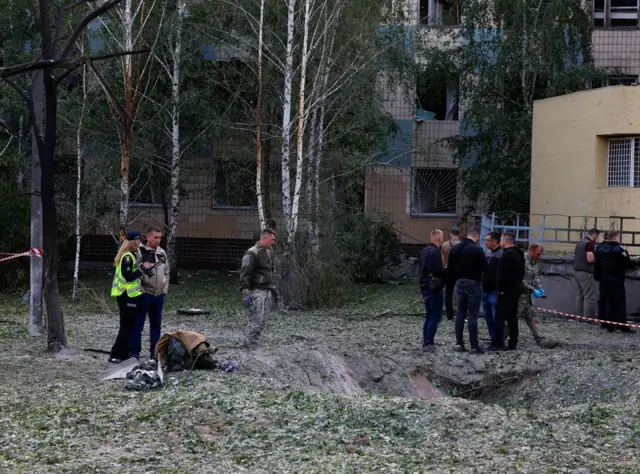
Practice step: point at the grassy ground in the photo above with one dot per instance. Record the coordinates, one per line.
(331, 391)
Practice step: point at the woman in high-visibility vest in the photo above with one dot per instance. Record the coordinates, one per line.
(127, 289)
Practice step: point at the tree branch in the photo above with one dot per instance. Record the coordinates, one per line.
(71, 42)
(110, 92)
(73, 66)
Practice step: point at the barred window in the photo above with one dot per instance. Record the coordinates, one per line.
(623, 168)
(434, 192)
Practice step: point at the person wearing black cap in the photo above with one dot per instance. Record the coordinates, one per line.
(127, 289)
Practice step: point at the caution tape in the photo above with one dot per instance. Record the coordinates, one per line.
(37, 253)
(584, 318)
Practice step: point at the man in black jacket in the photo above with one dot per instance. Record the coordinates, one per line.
(468, 264)
(490, 280)
(510, 278)
(611, 265)
(431, 274)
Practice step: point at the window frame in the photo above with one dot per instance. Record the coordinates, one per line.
(633, 173)
(414, 175)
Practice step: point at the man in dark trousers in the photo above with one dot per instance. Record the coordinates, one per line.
(611, 265)
(490, 280)
(583, 267)
(510, 278)
(431, 273)
(468, 264)
(449, 282)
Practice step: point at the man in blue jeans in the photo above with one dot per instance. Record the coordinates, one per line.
(431, 274)
(490, 280)
(468, 264)
(155, 285)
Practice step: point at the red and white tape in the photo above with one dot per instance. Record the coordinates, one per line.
(38, 253)
(584, 318)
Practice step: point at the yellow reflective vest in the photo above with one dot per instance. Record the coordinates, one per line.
(120, 285)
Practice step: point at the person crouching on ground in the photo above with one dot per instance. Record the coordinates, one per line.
(155, 285)
(127, 289)
(256, 283)
(431, 274)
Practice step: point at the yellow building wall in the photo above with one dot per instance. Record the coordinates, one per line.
(569, 160)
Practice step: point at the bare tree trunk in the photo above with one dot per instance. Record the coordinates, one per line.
(36, 264)
(286, 119)
(79, 152)
(311, 183)
(56, 334)
(315, 241)
(174, 216)
(301, 123)
(125, 165)
(259, 166)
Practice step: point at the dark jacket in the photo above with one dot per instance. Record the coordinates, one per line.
(129, 269)
(490, 277)
(511, 270)
(467, 261)
(256, 272)
(612, 262)
(430, 262)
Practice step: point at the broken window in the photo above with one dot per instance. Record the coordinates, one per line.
(599, 13)
(439, 12)
(615, 13)
(436, 96)
(434, 192)
(234, 183)
(623, 167)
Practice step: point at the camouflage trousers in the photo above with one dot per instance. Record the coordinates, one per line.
(528, 313)
(258, 303)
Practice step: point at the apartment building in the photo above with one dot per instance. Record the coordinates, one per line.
(417, 181)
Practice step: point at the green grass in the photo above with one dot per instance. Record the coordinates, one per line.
(278, 414)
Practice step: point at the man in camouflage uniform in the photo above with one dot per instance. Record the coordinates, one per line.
(531, 282)
(256, 283)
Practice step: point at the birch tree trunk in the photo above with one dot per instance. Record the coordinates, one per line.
(176, 152)
(301, 124)
(259, 167)
(128, 125)
(286, 119)
(79, 152)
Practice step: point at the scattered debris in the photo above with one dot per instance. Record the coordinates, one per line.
(119, 371)
(144, 376)
(193, 311)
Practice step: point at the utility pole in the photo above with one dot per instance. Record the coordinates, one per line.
(36, 264)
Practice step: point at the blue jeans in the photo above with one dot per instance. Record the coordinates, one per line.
(153, 306)
(433, 303)
(489, 304)
(469, 299)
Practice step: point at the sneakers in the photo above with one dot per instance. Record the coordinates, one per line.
(114, 360)
(478, 350)
(627, 330)
(459, 348)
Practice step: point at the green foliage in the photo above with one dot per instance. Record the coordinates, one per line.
(509, 54)
(14, 221)
(368, 243)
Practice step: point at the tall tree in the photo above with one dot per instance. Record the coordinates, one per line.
(58, 61)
